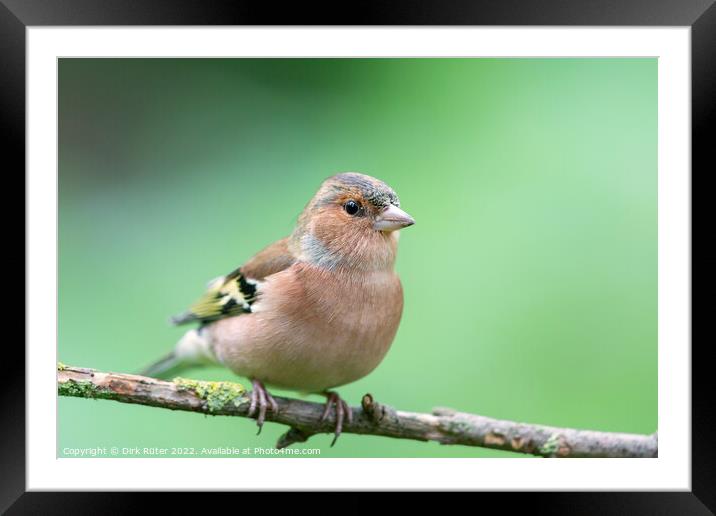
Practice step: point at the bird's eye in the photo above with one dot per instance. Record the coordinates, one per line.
(351, 207)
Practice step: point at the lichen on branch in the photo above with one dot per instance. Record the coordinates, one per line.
(216, 394)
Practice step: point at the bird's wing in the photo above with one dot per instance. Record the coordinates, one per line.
(234, 293)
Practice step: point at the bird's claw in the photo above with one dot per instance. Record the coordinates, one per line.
(343, 411)
(263, 401)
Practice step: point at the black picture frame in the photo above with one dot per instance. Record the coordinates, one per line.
(700, 15)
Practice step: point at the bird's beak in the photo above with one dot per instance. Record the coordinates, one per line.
(392, 218)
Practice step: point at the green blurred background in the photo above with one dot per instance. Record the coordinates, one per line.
(530, 277)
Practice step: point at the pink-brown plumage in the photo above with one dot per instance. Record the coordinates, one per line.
(313, 329)
(315, 310)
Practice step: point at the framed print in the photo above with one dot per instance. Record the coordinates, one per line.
(451, 251)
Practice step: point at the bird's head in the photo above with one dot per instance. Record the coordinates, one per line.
(352, 221)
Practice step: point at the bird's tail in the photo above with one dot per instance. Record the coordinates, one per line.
(169, 366)
(192, 350)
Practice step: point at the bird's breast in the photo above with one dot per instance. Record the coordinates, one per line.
(315, 329)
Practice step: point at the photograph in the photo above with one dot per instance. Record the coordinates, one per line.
(420, 248)
(377, 257)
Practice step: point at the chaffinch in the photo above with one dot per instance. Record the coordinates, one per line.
(312, 311)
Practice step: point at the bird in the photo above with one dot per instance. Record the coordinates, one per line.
(311, 312)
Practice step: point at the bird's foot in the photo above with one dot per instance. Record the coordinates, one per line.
(263, 401)
(343, 411)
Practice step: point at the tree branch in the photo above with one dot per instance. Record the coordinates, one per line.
(444, 425)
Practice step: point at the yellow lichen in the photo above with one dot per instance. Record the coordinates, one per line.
(216, 394)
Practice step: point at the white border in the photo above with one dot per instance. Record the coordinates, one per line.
(670, 471)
